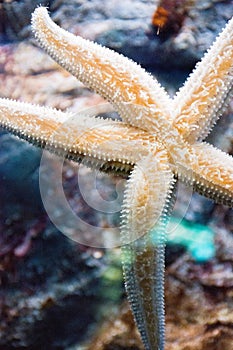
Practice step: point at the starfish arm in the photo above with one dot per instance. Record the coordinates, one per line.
(119, 80)
(201, 100)
(210, 173)
(144, 216)
(108, 145)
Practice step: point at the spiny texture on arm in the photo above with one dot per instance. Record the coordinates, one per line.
(147, 205)
(208, 170)
(104, 141)
(113, 76)
(213, 173)
(212, 81)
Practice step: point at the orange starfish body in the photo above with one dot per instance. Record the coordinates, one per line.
(158, 140)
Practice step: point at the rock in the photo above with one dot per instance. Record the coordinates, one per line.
(118, 333)
(127, 28)
(198, 311)
(19, 167)
(52, 298)
(16, 18)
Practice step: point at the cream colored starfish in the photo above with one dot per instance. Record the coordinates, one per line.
(158, 139)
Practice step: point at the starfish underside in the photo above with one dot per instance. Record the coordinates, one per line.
(158, 140)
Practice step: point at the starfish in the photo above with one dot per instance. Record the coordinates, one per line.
(157, 141)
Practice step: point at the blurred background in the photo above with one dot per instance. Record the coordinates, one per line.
(58, 294)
